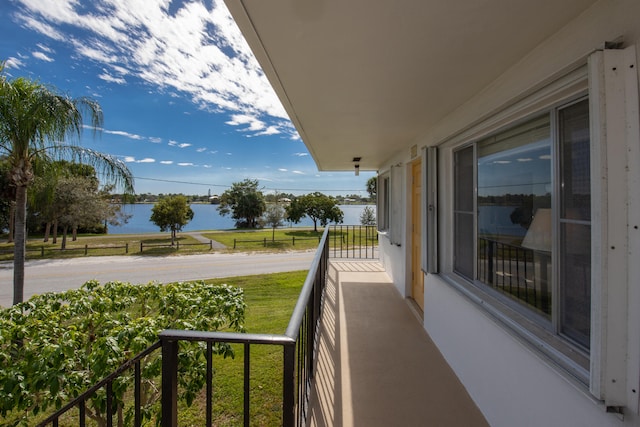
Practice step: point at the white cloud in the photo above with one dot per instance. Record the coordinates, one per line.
(166, 162)
(155, 139)
(173, 143)
(201, 150)
(298, 172)
(194, 48)
(44, 48)
(131, 159)
(271, 130)
(123, 133)
(283, 170)
(186, 164)
(300, 154)
(13, 62)
(42, 56)
(109, 78)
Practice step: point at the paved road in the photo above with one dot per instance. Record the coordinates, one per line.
(58, 275)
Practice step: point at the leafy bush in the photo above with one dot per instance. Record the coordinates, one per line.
(56, 345)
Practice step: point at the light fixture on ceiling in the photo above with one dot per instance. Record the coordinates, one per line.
(357, 166)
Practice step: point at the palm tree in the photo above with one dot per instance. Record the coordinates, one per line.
(35, 122)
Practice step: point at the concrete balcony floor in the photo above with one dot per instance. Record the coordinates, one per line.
(377, 366)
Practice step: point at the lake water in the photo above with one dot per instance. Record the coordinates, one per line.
(206, 217)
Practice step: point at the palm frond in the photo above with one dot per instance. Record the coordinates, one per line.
(111, 168)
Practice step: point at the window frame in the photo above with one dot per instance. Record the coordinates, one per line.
(518, 320)
(382, 202)
(610, 79)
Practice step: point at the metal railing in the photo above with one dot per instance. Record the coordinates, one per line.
(106, 384)
(354, 241)
(516, 271)
(299, 344)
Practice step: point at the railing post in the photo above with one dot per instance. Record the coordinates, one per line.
(126, 248)
(169, 383)
(140, 246)
(490, 262)
(288, 386)
(247, 384)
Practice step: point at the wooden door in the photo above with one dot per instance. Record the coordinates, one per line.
(417, 278)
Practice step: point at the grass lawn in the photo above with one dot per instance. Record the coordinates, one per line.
(158, 244)
(270, 301)
(267, 239)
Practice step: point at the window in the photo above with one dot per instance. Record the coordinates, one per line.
(522, 219)
(390, 204)
(383, 202)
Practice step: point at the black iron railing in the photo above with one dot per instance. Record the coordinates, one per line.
(299, 344)
(519, 272)
(80, 402)
(354, 241)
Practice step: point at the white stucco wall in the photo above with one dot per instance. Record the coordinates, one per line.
(512, 384)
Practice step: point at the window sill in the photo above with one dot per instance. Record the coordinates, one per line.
(567, 359)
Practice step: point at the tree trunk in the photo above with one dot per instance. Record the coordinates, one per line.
(74, 233)
(55, 231)
(173, 236)
(64, 237)
(20, 243)
(12, 222)
(47, 231)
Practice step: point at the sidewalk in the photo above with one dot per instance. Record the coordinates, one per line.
(200, 238)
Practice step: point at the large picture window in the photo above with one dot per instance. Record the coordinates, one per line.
(522, 218)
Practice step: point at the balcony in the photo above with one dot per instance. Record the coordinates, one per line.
(376, 364)
(354, 354)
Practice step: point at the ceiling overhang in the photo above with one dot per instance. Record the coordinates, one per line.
(366, 79)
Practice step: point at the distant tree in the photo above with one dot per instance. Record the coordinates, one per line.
(368, 216)
(113, 214)
(49, 196)
(318, 207)
(171, 213)
(372, 187)
(244, 202)
(274, 218)
(77, 203)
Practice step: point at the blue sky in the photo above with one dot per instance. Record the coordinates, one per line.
(184, 99)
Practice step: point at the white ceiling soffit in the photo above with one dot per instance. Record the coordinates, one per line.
(362, 78)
